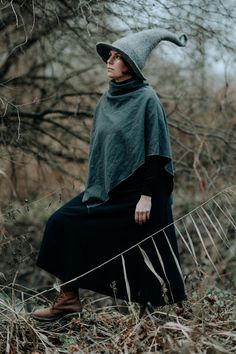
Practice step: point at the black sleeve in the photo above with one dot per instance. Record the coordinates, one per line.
(153, 168)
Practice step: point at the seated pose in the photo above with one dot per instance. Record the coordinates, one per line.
(127, 196)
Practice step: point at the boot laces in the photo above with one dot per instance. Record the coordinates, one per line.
(57, 298)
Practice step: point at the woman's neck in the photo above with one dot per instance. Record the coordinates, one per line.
(124, 81)
(123, 87)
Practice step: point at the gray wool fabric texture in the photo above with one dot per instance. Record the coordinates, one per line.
(129, 124)
(136, 47)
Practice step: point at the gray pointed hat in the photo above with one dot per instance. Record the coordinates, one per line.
(136, 47)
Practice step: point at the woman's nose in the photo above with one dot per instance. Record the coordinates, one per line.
(109, 60)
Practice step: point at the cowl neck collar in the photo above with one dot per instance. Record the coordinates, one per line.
(124, 87)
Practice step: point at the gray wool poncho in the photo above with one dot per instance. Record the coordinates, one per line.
(129, 124)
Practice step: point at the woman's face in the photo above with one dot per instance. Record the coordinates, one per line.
(117, 69)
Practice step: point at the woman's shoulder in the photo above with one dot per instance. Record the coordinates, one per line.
(150, 94)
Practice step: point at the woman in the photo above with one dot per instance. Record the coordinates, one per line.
(127, 195)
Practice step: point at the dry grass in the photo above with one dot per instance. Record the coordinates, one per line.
(207, 325)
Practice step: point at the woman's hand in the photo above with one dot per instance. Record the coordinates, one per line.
(143, 209)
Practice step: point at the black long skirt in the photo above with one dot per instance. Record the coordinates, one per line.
(79, 238)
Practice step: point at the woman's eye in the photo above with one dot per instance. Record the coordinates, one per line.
(118, 56)
(115, 56)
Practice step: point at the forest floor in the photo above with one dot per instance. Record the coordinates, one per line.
(207, 325)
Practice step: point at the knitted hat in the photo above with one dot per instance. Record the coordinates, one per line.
(136, 47)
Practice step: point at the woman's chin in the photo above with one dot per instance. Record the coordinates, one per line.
(110, 75)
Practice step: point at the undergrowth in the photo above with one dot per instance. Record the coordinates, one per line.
(207, 325)
(206, 237)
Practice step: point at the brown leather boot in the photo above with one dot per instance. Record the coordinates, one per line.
(67, 301)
